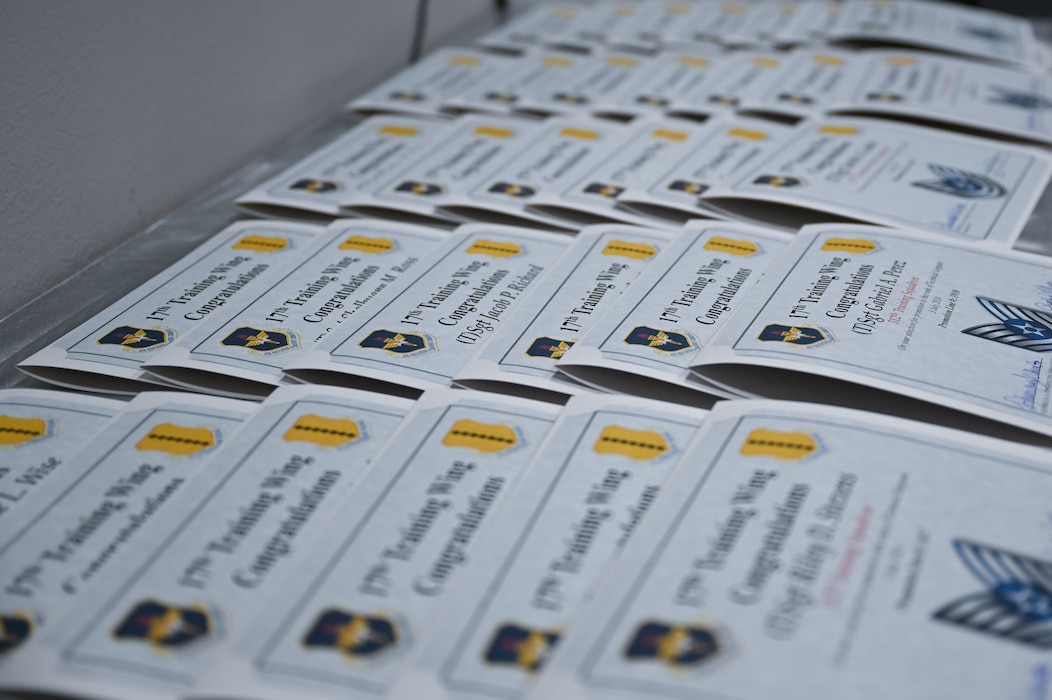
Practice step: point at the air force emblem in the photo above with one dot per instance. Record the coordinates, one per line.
(804, 336)
(358, 636)
(1017, 326)
(165, 627)
(677, 646)
(315, 186)
(262, 342)
(135, 339)
(692, 188)
(14, 630)
(421, 189)
(518, 646)
(778, 181)
(512, 190)
(961, 183)
(406, 96)
(400, 344)
(549, 347)
(665, 342)
(795, 98)
(651, 101)
(607, 191)
(1015, 603)
(502, 97)
(570, 98)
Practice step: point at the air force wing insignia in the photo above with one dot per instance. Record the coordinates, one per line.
(512, 190)
(514, 645)
(549, 347)
(406, 96)
(324, 432)
(399, 344)
(262, 342)
(421, 189)
(502, 97)
(606, 191)
(165, 627)
(1022, 100)
(1017, 326)
(634, 444)
(484, 437)
(19, 431)
(801, 336)
(570, 98)
(354, 635)
(784, 446)
(651, 101)
(795, 98)
(883, 97)
(135, 339)
(315, 186)
(961, 183)
(677, 646)
(1015, 603)
(692, 188)
(778, 181)
(668, 342)
(15, 629)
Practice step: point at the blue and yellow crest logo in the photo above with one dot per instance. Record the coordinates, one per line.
(396, 343)
(352, 634)
(778, 181)
(421, 189)
(262, 342)
(549, 347)
(502, 97)
(513, 190)
(724, 100)
(651, 101)
(961, 183)
(135, 339)
(810, 336)
(15, 629)
(795, 98)
(668, 342)
(1022, 100)
(607, 191)
(315, 186)
(570, 98)
(692, 188)
(165, 627)
(678, 646)
(525, 648)
(406, 96)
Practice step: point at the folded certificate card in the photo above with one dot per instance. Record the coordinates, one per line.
(90, 511)
(649, 148)
(241, 353)
(945, 27)
(150, 631)
(849, 310)
(423, 87)
(542, 24)
(314, 188)
(560, 152)
(669, 76)
(891, 174)
(588, 279)
(742, 24)
(809, 22)
(364, 597)
(426, 331)
(725, 147)
(106, 352)
(646, 343)
(39, 431)
(606, 462)
(954, 92)
(598, 80)
(473, 148)
(815, 552)
(738, 79)
(809, 81)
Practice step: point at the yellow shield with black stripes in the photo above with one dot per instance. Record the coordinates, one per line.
(732, 246)
(19, 431)
(322, 431)
(177, 439)
(494, 249)
(484, 437)
(785, 446)
(261, 244)
(630, 249)
(368, 244)
(634, 444)
(850, 245)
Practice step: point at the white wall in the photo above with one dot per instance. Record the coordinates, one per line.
(115, 112)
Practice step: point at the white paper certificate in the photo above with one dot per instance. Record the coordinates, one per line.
(605, 464)
(431, 326)
(892, 174)
(367, 595)
(241, 353)
(957, 325)
(587, 280)
(70, 529)
(817, 552)
(264, 498)
(106, 353)
(646, 343)
(39, 431)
